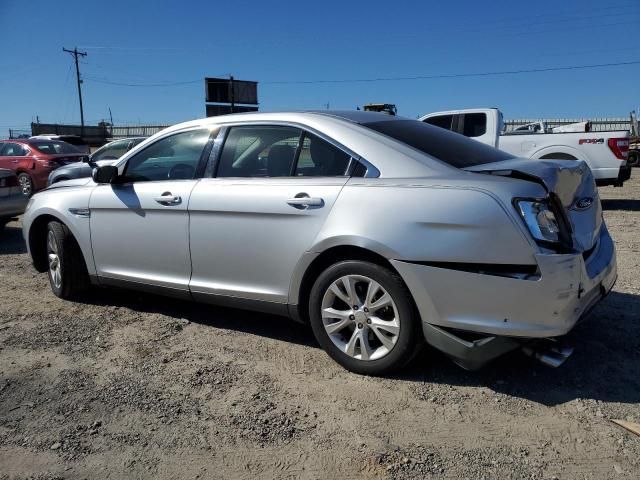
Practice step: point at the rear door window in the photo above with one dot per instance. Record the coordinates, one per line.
(474, 124)
(442, 121)
(318, 158)
(259, 151)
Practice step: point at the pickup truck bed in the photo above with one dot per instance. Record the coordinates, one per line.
(604, 152)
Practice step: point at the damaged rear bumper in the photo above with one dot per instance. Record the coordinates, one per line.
(502, 312)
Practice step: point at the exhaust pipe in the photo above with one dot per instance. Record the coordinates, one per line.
(550, 355)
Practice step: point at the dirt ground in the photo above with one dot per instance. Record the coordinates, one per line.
(127, 385)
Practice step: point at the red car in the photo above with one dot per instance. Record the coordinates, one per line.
(33, 160)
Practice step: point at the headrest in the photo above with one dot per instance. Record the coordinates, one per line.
(280, 160)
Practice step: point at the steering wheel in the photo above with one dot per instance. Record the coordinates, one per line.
(181, 171)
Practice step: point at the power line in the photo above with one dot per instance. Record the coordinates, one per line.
(386, 79)
(162, 84)
(455, 75)
(389, 79)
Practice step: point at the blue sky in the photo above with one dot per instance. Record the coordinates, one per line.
(145, 42)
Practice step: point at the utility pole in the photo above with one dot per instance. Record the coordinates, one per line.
(75, 54)
(233, 92)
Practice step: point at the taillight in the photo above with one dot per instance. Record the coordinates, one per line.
(619, 147)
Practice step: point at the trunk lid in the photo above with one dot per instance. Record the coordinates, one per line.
(570, 184)
(67, 158)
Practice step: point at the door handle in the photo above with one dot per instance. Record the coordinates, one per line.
(302, 201)
(168, 199)
(15, 161)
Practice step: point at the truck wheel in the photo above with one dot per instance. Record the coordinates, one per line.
(26, 183)
(67, 271)
(363, 316)
(632, 161)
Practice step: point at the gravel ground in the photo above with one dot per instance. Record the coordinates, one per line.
(127, 385)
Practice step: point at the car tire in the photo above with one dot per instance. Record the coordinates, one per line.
(26, 183)
(67, 270)
(633, 159)
(389, 335)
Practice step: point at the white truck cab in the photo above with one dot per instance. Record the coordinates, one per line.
(604, 152)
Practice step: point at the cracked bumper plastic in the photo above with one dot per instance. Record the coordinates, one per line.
(568, 287)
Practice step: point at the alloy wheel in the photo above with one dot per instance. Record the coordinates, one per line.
(55, 269)
(26, 184)
(360, 317)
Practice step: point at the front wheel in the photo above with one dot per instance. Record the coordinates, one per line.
(67, 271)
(363, 316)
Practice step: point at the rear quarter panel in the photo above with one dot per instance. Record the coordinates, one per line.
(588, 146)
(445, 223)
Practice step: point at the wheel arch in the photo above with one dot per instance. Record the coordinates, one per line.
(36, 240)
(561, 152)
(299, 295)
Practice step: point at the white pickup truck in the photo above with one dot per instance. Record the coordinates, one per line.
(604, 152)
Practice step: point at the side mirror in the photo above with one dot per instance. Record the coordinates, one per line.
(105, 174)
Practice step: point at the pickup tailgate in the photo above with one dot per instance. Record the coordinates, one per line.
(572, 184)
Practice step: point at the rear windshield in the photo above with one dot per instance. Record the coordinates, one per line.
(448, 147)
(52, 147)
(73, 140)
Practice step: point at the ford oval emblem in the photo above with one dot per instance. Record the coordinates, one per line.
(583, 203)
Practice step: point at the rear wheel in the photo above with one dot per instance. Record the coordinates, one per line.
(26, 183)
(363, 316)
(633, 159)
(67, 270)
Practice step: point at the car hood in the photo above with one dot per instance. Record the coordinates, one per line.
(99, 163)
(569, 181)
(76, 182)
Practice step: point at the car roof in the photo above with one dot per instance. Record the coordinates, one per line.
(346, 127)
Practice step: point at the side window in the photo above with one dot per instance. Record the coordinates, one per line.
(318, 158)
(442, 121)
(1, 148)
(13, 150)
(171, 158)
(259, 151)
(475, 124)
(112, 151)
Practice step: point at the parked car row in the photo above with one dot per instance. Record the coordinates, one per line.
(12, 200)
(29, 165)
(381, 232)
(33, 160)
(105, 155)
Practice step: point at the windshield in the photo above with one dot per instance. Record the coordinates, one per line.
(448, 147)
(53, 147)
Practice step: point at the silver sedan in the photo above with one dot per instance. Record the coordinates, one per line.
(381, 232)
